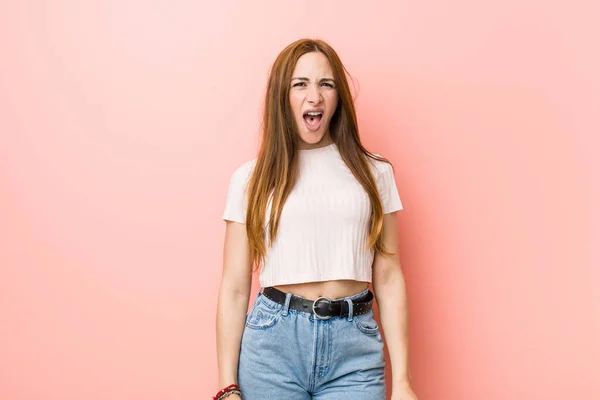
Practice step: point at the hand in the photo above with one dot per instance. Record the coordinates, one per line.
(403, 391)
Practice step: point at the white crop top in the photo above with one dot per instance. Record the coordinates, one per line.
(323, 230)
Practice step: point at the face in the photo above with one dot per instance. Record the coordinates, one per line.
(313, 98)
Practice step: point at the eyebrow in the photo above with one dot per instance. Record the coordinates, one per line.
(301, 78)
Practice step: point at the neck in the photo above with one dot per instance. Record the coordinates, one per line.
(325, 141)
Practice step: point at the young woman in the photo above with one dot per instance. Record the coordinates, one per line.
(317, 212)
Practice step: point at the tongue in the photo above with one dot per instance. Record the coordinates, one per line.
(312, 120)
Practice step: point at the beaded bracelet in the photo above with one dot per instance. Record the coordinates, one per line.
(233, 388)
(234, 391)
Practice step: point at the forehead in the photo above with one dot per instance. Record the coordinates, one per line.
(313, 64)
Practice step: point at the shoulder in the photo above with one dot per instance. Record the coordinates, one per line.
(244, 170)
(379, 167)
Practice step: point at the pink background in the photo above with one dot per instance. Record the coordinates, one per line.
(122, 121)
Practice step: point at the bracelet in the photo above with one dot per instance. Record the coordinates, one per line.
(233, 388)
(234, 391)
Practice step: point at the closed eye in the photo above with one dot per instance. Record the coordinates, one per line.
(327, 84)
(299, 84)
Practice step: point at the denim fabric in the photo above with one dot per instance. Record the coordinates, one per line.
(288, 354)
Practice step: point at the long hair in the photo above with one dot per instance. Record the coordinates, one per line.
(277, 162)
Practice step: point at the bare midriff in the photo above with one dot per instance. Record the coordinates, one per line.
(330, 289)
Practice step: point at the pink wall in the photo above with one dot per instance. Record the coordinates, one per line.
(121, 122)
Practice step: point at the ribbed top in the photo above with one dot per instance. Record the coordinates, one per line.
(323, 230)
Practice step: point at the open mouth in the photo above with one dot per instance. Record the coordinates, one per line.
(312, 119)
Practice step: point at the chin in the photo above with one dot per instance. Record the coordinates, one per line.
(310, 137)
(313, 137)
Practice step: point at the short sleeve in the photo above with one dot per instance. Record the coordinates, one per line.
(388, 192)
(236, 202)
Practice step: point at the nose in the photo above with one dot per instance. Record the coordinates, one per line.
(314, 95)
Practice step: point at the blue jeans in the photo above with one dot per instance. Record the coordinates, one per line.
(288, 354)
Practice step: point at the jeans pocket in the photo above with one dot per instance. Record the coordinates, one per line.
(367, 324)
(262, 315)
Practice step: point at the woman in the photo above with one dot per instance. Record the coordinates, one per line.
(318, 213)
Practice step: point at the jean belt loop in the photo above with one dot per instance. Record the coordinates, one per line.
(350, 310)
(286, 307)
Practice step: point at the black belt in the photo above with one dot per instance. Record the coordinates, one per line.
(322, 307)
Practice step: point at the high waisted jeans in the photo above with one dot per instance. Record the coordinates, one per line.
(287, 354)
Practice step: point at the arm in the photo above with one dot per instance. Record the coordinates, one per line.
(390, 293)
(232, 306)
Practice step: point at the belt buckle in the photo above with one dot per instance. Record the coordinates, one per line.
(315, 312)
